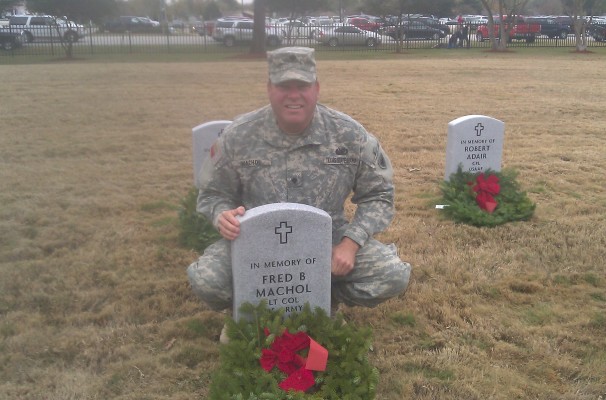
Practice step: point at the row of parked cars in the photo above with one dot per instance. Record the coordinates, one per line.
(231, 31)
(418, 27)
(355, 30)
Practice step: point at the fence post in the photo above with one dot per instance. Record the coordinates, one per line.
(167, 38)
(90, 36)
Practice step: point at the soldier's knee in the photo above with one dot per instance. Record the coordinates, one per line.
(193, 274)
(397, 279)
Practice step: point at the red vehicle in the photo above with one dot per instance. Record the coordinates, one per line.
(516, 27)
(364, 23)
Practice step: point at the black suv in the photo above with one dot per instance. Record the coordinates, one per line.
(131, 24)
(550, 27)
(597, 31)
(432, 22)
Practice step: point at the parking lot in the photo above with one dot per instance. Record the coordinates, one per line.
(95, 42)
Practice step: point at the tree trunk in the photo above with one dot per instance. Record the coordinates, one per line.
(503, 34)
(258, 43)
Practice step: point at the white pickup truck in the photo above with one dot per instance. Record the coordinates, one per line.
(44, 27)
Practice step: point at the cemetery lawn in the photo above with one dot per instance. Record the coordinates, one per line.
(95, 159)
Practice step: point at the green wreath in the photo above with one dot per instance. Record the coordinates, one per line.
(461, 192)
(348, 373)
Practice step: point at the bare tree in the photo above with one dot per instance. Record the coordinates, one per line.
(507, 11)
(258, 43)
(577, 10)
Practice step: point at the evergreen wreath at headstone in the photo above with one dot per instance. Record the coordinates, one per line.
(195, 230)
(470, 198)
(348, 373)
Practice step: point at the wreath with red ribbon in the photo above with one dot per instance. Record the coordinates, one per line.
(304, 356)
(284, 354)
(486, 198)
(485, 189)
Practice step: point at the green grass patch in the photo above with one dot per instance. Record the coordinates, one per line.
(7, 329)
(598, 296)
(598, 321)
(592, 279)
(429, 372)
(404, 319)
(115, 383)
(563, 280)
(175, 52)
(162, 222)
(490, 292)
(539, 315)
(191, 356)
(197, 327)
(157, 205)
(426, 342)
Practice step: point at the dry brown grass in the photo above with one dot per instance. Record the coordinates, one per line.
(95, 158)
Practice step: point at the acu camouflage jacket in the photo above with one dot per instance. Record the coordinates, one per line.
(253, 163)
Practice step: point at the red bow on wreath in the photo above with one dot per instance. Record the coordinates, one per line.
(486, 189)
(284, 354)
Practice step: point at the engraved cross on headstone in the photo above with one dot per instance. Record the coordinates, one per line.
(479, 128)
(283, 230)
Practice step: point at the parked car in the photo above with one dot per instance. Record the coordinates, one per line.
(149, 21)
(297, 29)
(597, 31)
(414, 30)
(346, 35)
(232, 31)
(432, 22)
(198, 27)
(321, 24)
(45, 27)
(11, 40)
(203, 28)
(565, 20)
(131, 24)
(178, 24)
(364, 23)
(516, 28)
(550, 27)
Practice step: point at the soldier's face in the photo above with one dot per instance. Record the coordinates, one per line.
(293, 103)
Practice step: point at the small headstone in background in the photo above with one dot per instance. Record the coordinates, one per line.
(204, 136)
(283, 256)
(476, 142)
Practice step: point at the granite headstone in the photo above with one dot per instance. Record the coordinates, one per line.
(204, 136)
(283, 256)
(475, 142)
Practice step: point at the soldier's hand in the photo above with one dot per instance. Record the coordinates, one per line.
(344, 257)
(227, 223)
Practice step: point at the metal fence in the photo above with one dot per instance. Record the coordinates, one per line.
(95, 42)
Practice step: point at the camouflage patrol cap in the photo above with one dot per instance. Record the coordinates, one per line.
(292, 63)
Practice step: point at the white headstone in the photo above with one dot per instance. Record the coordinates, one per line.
(476, 142)
(283, 255)
(204, 136)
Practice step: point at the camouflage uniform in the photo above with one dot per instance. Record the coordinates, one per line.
(253, 163)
